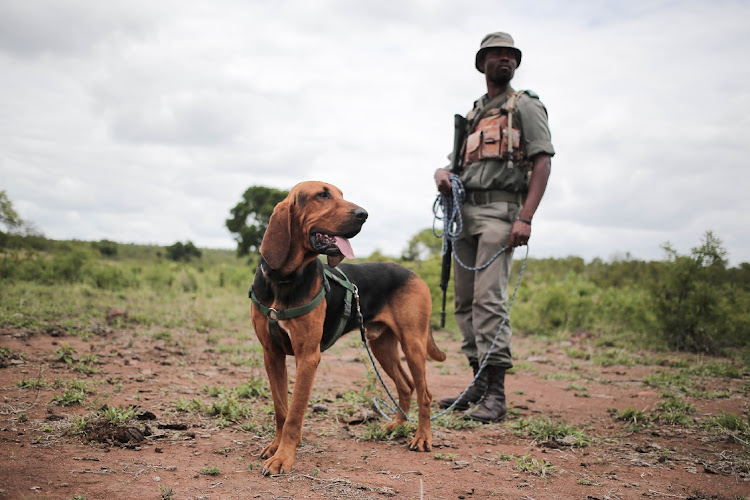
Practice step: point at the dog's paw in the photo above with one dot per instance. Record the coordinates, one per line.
(391, 426)
(269, 450)
(278, 465)
(421, 444)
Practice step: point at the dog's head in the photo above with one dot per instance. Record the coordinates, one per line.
(313, 219)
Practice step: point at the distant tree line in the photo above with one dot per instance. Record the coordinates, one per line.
(692, 302)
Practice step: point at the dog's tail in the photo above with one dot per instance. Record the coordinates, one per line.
(432, 349)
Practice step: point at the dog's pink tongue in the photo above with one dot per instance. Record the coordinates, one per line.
(345, 247)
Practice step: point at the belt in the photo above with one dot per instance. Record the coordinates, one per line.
(486, 197)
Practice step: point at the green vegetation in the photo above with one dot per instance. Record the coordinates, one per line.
(75, 393)
(543, 429)
(637, 419)
(117, 416)
(374, 431)
(251, 215)
(455, 421)
(166, 492)
(730, 424)
(210, 471)
(693, 303)
(530, 465)
(183, 252)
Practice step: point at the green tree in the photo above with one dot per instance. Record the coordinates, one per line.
(251, 215)
(8, 216)
(186, 252)
(106, 247)
(423, 245)
(692, 299)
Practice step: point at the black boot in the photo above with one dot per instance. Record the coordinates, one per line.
(474, 393)
(491, 408)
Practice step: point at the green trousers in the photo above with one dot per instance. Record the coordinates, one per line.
(481, 297)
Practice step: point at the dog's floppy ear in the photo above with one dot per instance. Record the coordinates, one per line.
(278, 237)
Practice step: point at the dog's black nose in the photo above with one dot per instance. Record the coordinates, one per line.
(361, 214)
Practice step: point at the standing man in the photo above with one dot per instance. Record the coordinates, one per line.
(504, 169)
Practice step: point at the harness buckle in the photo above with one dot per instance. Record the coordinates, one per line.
(272, 313)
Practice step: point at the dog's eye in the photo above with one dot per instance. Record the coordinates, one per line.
(324, 195)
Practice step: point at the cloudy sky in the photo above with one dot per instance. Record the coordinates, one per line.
(145, 121)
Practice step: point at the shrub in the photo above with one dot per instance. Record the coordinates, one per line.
(106, 248)
(183, 252)
(693, 301)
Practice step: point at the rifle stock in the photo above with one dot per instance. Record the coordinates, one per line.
(459, 136)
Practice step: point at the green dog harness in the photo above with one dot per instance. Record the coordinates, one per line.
(329, 338)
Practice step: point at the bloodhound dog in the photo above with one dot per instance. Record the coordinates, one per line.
(296, 307)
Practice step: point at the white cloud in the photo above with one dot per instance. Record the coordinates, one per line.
(146, 121)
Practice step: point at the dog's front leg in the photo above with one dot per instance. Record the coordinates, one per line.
(275, 362)
(291, 434)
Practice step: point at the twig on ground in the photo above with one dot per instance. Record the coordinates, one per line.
(665, 494)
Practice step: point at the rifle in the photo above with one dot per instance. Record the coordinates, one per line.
(459, 136)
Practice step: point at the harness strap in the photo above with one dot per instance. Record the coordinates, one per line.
(351, 288)
(275, 315)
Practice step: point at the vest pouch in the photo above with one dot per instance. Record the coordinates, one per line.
(491, 138)
(486, 141)
(473, 143)
(517, 152)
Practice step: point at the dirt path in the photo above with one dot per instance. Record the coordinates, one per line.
(210, 450)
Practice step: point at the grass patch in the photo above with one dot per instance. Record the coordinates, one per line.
(375, 432)
(577, 353)
(544, 430)
(679, 380)
(31, 383)
(64, 354)
(211, 471)
(730, 424)
(719, 369)
(75, 393)
(614, 357)
(674, 411)
(118, 415)
(560, 376)
(575, 387)
(455, 421)
(637, 419)
(530, 465)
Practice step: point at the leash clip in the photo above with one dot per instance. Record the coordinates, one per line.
(272, 313)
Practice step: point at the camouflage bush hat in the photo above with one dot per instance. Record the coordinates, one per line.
(498, 39)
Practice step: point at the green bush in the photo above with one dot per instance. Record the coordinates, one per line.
(183, 252)
(106, 248)
(697, 309)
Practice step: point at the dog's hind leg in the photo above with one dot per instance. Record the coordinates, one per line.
(385, 349)
(412, 329)
(416, 359)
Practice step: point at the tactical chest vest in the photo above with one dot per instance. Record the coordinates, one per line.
(496, 136)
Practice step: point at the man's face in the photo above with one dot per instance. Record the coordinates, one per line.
(500, 64)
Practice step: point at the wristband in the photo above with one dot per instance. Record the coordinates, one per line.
(526, 221)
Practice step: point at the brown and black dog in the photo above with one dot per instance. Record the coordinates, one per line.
(315, 219)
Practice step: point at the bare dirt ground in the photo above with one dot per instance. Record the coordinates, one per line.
(168, 453)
